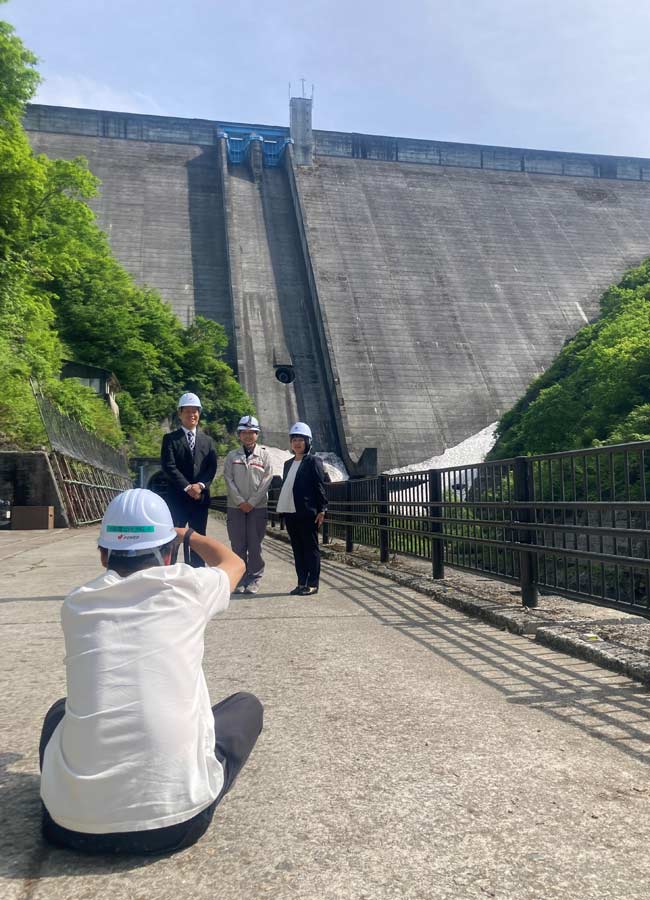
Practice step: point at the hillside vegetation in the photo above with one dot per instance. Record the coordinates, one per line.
(597, 390)
(63, 295)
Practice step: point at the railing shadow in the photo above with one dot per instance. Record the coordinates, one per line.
(600, 703)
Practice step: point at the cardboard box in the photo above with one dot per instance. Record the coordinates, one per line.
(27, 518)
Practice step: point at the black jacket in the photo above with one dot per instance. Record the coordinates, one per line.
(309, 487)
(181, 468)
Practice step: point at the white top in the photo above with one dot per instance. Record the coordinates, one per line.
(286, 502)
(135, 749)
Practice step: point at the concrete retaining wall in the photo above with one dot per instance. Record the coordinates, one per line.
(26, 479)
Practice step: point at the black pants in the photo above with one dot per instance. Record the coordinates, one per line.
(237, 725)
(194, 513)
(303, 533)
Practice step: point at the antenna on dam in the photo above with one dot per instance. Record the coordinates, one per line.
(300, 127)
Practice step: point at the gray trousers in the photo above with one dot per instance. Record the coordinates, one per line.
(246, 532)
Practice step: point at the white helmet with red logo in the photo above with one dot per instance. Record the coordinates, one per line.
(135, 523)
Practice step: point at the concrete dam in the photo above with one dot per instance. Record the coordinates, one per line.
(397, 294)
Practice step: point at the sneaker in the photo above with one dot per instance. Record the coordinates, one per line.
(240, 589)
(252, 588)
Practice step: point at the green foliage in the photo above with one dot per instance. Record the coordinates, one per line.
(18, 76)
(598, 389)
(62, 294)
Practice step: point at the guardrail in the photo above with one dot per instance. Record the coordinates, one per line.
(573, 523)
(88, 472)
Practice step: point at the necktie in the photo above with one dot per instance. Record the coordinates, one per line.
(190, 440)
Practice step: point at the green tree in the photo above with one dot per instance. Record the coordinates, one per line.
(598, 388)
(63, 295)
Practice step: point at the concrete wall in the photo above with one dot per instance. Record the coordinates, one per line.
(26, 479)
(162, 208)
(446, 290)
(418, 286)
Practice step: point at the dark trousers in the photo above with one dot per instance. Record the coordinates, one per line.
(238, 722)
(303, 534)
(194, 513)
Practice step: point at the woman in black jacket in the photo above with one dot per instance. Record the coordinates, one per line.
(303, 502)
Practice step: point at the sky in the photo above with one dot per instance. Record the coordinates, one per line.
(570, 75)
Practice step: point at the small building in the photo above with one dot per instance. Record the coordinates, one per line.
(102, 381)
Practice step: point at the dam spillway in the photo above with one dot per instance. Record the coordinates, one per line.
(414, 288)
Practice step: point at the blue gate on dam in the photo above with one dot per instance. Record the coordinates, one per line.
(575, 524)
(238, 142)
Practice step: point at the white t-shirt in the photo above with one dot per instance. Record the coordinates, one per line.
(135, 749)
(286, 503)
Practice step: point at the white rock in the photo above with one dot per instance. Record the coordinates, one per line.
(473, 449)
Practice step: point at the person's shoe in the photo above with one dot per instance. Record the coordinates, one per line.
(308, 591)
(252, 588)
(240, 589)
(299, 589)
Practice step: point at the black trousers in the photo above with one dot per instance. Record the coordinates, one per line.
(238, 722)
(303, 534)
(194, 513)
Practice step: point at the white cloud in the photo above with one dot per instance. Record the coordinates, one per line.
(79, 91)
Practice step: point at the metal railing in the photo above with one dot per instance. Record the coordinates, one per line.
(574, 523)
(88, 472)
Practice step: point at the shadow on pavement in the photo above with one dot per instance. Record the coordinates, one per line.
(23, 852)
(600, 703)
(59, 598)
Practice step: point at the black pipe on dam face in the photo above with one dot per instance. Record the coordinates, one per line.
(412, 288)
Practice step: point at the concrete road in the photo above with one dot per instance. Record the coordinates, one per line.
(408, 751)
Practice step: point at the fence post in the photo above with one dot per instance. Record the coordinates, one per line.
(349, 546)
(382, 497)
(527, 560)
(437, 547)
(326, 526)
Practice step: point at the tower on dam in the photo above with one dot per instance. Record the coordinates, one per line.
(397, 294)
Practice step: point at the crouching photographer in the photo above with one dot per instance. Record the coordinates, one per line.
(134, 759)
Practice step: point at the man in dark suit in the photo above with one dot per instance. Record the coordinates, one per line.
(189, 460)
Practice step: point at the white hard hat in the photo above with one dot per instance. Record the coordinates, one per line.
(135, 521)
(248, 423)
(189, 399)
(300, 429)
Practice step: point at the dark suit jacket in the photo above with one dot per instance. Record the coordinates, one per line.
(183, 468)
(309, 487)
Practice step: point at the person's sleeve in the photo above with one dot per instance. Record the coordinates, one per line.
(210, 466)
(321, 493)
(168, 464)
(213, 586)
(265, 483)
(230, 481)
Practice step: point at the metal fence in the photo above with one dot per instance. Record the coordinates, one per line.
(573, 523)
(88, 472)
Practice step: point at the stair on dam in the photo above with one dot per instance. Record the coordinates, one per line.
(270, 299)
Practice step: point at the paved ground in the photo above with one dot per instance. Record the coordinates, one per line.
(610, 637)
(409, 751)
